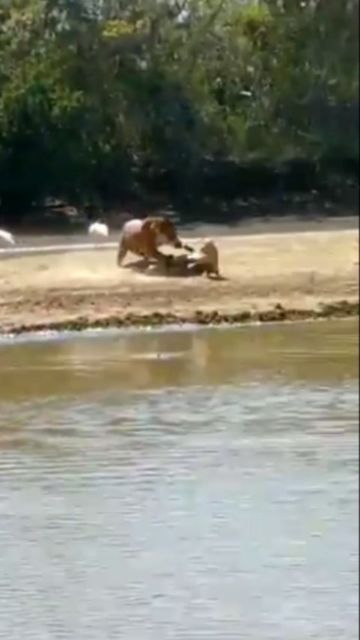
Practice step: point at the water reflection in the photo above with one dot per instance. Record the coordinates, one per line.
(310, 353)
(181, 485)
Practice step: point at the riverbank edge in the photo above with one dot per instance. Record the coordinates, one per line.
(278, 313)
(237, 211)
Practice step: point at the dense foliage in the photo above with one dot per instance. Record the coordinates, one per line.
(99, 98)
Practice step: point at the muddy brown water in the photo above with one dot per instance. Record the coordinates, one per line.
(180, 484)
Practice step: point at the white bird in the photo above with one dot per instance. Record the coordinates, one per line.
(6, 237)
(99, 229)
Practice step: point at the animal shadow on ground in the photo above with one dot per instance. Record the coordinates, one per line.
(175, 270)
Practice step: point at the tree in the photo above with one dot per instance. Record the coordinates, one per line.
(99, 98)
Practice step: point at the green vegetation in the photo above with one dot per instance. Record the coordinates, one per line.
(100, 99)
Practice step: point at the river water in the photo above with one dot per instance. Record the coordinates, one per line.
(180, 485)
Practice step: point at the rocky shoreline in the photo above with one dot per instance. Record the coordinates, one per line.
(328, 311)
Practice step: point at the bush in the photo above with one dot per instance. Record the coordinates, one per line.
(98, 100)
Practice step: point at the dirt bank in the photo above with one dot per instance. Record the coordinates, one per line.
(268, 277)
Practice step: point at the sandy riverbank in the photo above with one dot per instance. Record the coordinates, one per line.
(268, 277)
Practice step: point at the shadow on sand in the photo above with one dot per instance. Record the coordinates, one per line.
(175, 270)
